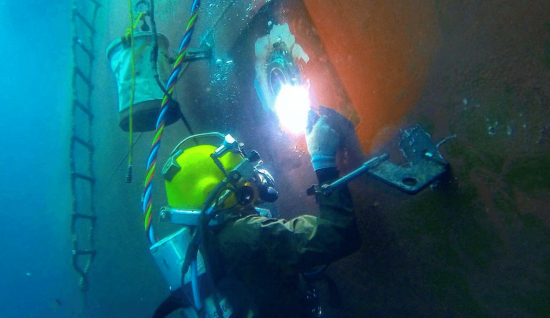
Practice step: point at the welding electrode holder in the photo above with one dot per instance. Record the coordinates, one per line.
(326, 189)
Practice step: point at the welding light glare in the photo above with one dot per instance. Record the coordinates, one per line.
(291, 106)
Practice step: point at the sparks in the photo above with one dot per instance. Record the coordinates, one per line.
(291, 106)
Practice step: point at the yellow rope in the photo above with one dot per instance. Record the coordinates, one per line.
(132, 90)
(133, 23)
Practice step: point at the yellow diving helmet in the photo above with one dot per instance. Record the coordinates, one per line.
(191, 174)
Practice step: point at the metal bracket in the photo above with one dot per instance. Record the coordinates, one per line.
(204, 52)
(424, 163)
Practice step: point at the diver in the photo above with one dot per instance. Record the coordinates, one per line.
(257, 266)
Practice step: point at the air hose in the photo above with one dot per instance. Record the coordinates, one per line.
(199, 238)
(155, 51)
(154, 61)
(191, 258)
(151, 162)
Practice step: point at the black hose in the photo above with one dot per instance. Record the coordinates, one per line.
(155, 51)
(199, 238)
(154, 61)
(186, 123)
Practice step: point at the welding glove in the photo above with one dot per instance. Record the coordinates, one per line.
(322, 142)
(349, 142)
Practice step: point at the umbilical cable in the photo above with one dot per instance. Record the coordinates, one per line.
(151, 162)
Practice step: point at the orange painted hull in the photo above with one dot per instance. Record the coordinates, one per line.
(369, 60)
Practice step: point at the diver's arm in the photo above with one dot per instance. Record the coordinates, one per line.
(336, 233)
(306, 241)
(297, 244)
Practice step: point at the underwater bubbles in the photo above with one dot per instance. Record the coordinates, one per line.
(225, 90)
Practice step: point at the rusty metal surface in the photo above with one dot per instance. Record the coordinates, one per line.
(475, 245)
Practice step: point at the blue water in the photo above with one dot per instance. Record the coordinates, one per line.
(476, 245)
(34, 191)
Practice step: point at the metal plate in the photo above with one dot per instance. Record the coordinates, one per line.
(424, 163)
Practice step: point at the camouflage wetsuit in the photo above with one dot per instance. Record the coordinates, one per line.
(265, 256)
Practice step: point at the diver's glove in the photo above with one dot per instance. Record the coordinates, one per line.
(322, 142)
(349, 142)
